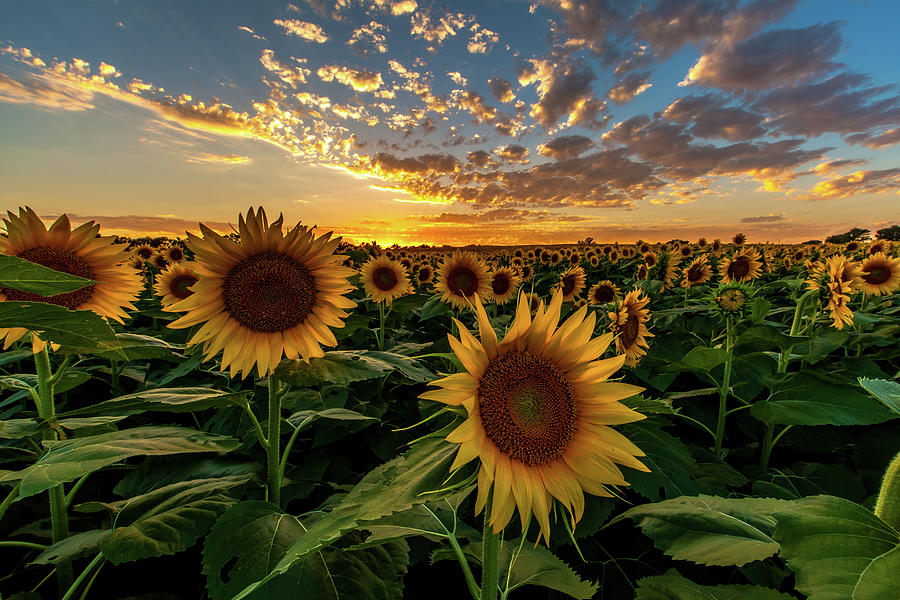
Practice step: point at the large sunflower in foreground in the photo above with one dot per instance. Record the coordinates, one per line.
(78, 252)
(461, 277)
(266, 295)
(879, 274)
(539, 413)
(384, 279)
(628, 323)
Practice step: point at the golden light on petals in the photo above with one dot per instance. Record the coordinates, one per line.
(78, 252)
(571, 282)
(628, 323)
(173, 283)
(604, 292)
(265, 296)
(539, 413)
(504, 284)
(696, 273)
(462, 277)
(743, 266)
(879, 274)
(384, 279)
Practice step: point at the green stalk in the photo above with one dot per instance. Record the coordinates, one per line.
(273, 446)
(723, 390)
(460, 555)
(59, 519)
(13, 494)
(887, 508)
(380, 336)
(84, 574)
(490, 555)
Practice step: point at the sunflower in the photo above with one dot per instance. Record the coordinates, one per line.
(743, 266)
(424, 275)
(571, 282)
(533, 300)
(604, 292)
(701, 243)
(642, 247)
(384, 279)
(595, 261)
(628, 324)
(555, 258)
(461, 277)
(78, 251)
(686, 251)
(174, 253)
(731, 298)
(739, 239)
(144, 251)
(545, 256)
(265, 295)
(136, 263)
(159, 261)
(504, 283)
(880, 274)
(539, 411)
(172, 283)
(527, 272)
(837, 305)
(696, 273)
(651, 259)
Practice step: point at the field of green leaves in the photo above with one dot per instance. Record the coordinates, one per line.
(167, 448)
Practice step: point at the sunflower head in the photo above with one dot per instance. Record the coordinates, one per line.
(571, 282)
(424, 274)
(539, 413)
(461, 277)
(384, 279)
(732, 298)
(650, 259)
(504, 283)
(145, 251)
(78, 251)
(739, 239)
(265, 294)
(174, 253)
(173, 283)
(744, 265)
(696, 273)
(628, 324)
(879, 274)
(604, 292)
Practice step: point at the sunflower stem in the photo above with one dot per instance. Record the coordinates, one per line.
(460, 555)
(380, 336)
(46, 409)
(490, 555)
(70, 593)
(887, 508)
(723, 390)
(273, 445)
(13, 494)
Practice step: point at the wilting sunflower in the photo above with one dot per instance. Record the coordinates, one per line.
(384, 279)
(879, 274)
(571, 282)
(539, 413)
(696, 273)
(172, 283)
(78, 252)
(174, 253)
(504, 283)
(265, 295)
(461, 277)
(604, 292)
(744, 265)
(628, 324)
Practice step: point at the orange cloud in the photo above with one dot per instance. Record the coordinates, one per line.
(302, 29)
(361, 80)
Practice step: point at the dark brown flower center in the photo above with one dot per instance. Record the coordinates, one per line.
(424, 274)
(630, 331)
(462, 281)
(269, 292)
(178, 287)
(876, 275)
(500, 284)
(64, 261)
(160, 261)
(604, 294)
(527, 407)
(568, 284)
(695, 273)
(686, 251)
(384, 278)
(650, 259)
(175, 253)
(145, 252)
(739, 268)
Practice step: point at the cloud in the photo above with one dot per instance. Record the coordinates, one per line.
(841, 104)
(251, 32)
(391, 166)
(513, 153)
(625, 90)
(825, 168)
(482, 40)
(562, 93)
(497, 214)
(369, 38)
(876, 141)
(860, 182)
(220, 159)
(436, 30)
(293, 76)
(46, 93)
(361, 80)
(501, 89)
(146, 225)
(567, 146)
(302, 29)
(768, 60)
(764, 219)
(710, 118)
(481, 159)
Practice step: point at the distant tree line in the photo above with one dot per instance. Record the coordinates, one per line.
(858, 234)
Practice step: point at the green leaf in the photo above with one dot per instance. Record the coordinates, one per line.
(169, 519)
(57, 324)
(250, 538)
(26, 276)
(761, 336)
(886, 391)
(431, 520)
(16, 429)
(130, 346)
(759, 309)
(710, 530)
(392, 487)
(673, 586)
(67, 460)
(823, 344)
(69, 380)
(433, 307)
(647, 406)
(157, 472)
(699, 359)
(74, 546)
(807, 398)
(668, 458)
(304, 418)
(838, 549)
(347, 366)
(175, 400)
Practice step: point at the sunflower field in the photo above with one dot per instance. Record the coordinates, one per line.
(276, 413)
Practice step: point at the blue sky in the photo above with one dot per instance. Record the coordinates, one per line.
(464, 122)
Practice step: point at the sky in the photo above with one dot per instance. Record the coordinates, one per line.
(485, 122)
